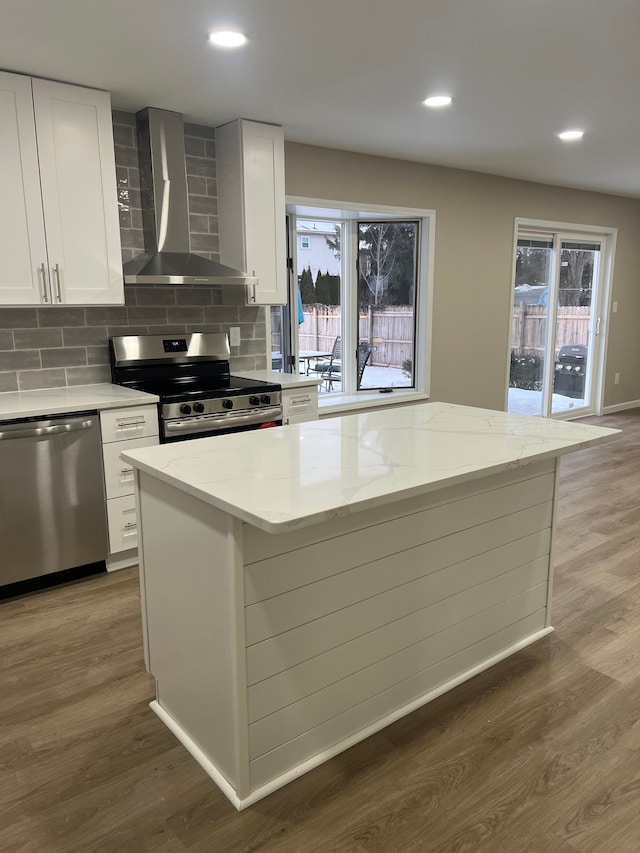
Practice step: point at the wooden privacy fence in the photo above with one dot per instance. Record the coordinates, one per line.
(529, 328)
(390, 330)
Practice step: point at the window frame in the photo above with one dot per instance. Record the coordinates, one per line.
(350, 398)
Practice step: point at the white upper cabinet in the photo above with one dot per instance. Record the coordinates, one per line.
(23, 248)
(60, 233)
(251, 206)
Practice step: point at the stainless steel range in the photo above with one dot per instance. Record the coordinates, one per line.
(190, 374)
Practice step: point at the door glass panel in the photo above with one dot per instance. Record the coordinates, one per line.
(534, 266)
(579, 264)
(319, 312)
(278, 338)
(281, 331)
(387, 274)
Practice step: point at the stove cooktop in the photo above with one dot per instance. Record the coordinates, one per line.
(178, 390)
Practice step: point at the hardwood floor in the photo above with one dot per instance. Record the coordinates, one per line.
(541, 753)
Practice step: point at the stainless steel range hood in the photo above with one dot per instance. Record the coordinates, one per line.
(165, 211)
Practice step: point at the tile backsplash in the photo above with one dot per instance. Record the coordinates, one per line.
(57, 345)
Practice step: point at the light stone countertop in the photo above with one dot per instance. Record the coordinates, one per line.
(75, 398)
(287, 380)
(290, 477)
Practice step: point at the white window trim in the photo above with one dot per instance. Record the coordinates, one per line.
(338, 403)
(346, 403)
(532, 227)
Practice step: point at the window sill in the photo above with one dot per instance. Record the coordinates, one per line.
(341, 404)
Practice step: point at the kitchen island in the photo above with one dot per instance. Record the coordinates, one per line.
(303, 587)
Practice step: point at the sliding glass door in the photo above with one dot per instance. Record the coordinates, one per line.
(556, 323)
(576, 325)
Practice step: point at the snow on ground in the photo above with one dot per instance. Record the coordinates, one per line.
(523, 402)
(378, 377)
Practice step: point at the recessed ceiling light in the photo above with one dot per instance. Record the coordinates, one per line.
(438, 101)
(571, 135)
(227, 38)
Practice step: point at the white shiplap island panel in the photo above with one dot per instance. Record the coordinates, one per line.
(305, 586)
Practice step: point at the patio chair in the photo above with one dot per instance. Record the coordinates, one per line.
(364, 354)
(331, 370)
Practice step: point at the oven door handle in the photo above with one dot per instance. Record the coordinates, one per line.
(213, 423)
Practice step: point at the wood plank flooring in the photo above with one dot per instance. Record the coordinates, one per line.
(540, 754)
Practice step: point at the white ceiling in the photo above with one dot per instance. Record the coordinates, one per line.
(351, 74)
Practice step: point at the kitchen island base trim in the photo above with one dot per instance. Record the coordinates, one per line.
(123, 560)
(273, 653)
(310, 764)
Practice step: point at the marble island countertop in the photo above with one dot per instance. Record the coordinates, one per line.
(74, 398)
(290, 477)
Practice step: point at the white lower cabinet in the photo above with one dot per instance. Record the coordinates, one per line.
(299, 404)
(123, 523)
(132, 422)
(118, 475)
(124, 429)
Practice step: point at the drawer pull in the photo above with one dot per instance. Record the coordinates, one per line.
(131, 424)
(126, 471)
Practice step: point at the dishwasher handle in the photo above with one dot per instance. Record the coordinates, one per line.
(55, 429)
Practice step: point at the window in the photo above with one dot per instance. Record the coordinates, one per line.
(387, 267)
(360, 297)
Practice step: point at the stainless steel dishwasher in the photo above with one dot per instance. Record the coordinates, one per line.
(52, 506)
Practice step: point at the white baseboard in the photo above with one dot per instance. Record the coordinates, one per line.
(122, 560)
(620, 407)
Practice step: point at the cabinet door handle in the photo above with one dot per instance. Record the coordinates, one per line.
(56, 273)
(45, 291)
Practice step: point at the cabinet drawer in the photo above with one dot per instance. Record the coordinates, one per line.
(133, 422)
(300, 406)
(122, 520)
(118, 475)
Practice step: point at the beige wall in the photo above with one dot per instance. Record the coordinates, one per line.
(475, 216)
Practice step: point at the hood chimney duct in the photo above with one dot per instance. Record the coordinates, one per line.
(168, 258)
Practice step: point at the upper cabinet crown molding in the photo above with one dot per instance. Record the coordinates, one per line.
(59, 228)
(251, 205)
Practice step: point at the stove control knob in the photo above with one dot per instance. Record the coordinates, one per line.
(198, 407)
(266, 399)
(185, 409)
(254, 401)
(227, 404)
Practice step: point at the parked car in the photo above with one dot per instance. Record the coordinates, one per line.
(529, 293)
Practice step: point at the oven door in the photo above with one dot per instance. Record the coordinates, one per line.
(181, 429)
